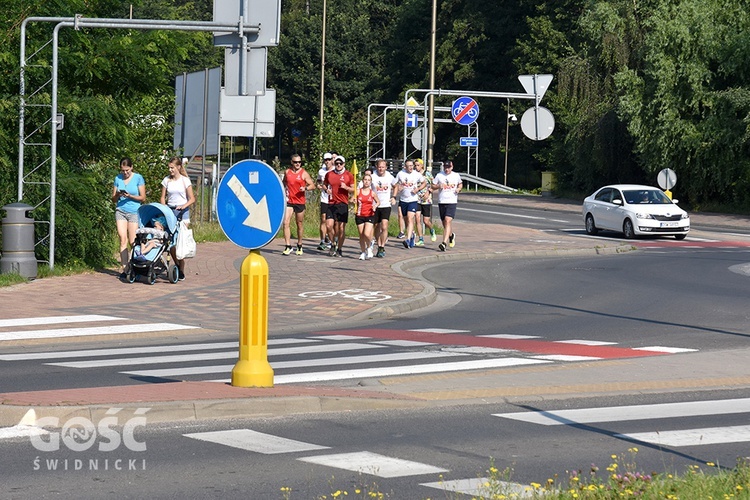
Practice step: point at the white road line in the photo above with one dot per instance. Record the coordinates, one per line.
(518, 216)
(342, 337)
(404, 343)
(372, 463)
(303, 363)
(138, 350)
(439, 330)
(693, 437)
(511, 336)
(565, 357)
(393, 371)
(476, 488)
(96, 330)
(180, 358)
(259, 442)
(635, 412)
(584, 342)
(658, 348)
(52, 320)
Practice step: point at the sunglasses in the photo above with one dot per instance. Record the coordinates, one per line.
(296, 162)
(339, 162)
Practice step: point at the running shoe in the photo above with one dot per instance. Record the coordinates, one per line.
(406, 243)
(322, 245)
(287, 251)
(332, 253)
(381, 253)
(299, 250)
(401, 236)
(181, 275)
(441, 247)
(433, 236)
(411, 241)
(369, 252)
(420, 242)
(363, 256)
(452, 240)
(339, 253)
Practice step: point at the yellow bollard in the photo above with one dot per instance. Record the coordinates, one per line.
(253, 368)
(668, 193)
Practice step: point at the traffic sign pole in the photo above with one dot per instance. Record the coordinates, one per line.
(253, 369)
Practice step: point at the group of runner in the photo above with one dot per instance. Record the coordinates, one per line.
(376, 194)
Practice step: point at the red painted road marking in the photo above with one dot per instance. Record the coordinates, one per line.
(529, 346)
(466, 110)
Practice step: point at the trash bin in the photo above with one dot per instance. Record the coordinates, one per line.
(549, 183)
(18, 241)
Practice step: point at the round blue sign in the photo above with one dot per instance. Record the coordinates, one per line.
(465, 110)
(250, 204)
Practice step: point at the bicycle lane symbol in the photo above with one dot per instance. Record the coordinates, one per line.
(357, 294)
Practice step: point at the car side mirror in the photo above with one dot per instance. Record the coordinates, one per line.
(675, 201)
(618, 201)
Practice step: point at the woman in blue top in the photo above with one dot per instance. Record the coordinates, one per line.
(128, 192)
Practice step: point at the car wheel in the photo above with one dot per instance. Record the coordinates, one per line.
(627, 229)
(590, 226)
(680, 236)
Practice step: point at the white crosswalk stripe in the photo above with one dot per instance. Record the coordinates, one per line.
(656, 412)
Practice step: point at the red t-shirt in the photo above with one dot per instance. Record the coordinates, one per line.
(366, 203)
(335, 179)
(294, 182)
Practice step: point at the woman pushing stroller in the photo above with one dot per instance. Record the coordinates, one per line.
(177, 194)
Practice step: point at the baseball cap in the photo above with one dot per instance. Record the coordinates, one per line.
(327, 156)
(339, 157)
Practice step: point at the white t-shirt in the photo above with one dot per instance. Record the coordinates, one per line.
(383, 186)
(448, 185)
(176, 190)
(322, 175)
(409, 182)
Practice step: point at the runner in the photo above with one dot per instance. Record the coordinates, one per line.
(297, 182)
(340, 184)
(382, 182)
(367, 201)
(424, 207)
(448, 183)
(325, 238)
(408, 183)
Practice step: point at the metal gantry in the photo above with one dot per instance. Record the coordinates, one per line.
(40, 143)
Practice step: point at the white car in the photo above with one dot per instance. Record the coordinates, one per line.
(634, 210)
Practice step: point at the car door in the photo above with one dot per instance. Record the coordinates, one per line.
(600, 208)
(615, 211)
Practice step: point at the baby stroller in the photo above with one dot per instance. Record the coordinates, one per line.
(156, 234)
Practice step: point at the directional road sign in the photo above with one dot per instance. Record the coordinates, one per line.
(666, 178)
(469, 142)
(250, 204)
(465, 110)
(412, 120)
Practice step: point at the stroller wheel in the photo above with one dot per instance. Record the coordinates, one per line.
(152, 278)
(174, 273)
(131, 277)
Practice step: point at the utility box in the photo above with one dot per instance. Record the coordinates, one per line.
(549, 183)
(18, 241)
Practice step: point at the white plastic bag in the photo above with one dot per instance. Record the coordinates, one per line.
(185, 245)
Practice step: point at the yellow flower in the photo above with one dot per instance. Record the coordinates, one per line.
(535, 485)
(710, 464)
(614, 457)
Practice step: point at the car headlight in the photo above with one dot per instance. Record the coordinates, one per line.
(685, 216)
(643, 216)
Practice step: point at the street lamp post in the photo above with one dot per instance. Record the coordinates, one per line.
(322, 72)
(509, 118)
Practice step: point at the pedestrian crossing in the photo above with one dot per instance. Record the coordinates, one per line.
(315, 357)
(440, 477)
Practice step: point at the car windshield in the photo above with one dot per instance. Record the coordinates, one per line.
(646, 196)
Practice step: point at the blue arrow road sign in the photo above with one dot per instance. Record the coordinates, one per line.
(469, 142)
(465, 110)
(412, 120)
(250, 204)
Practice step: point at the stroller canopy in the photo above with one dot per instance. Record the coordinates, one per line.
(150, 211)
